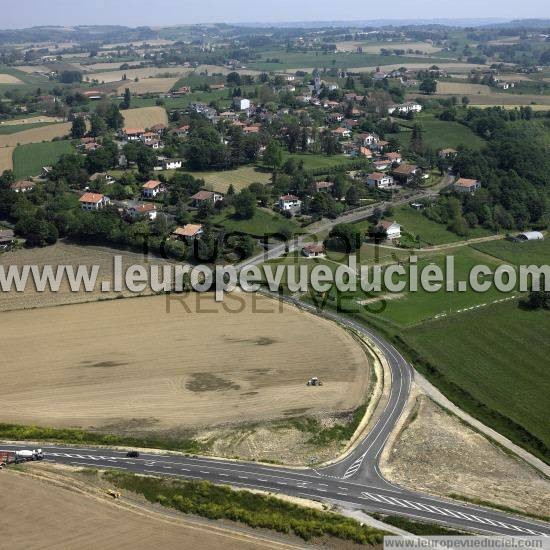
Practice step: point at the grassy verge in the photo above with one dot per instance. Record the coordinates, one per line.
(481, 502)
(416, 527)
(218, 502)
(323, 436)
(72, 436)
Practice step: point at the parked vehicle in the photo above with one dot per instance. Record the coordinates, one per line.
(132, 454)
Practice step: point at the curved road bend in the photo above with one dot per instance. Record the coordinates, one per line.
(355, 482)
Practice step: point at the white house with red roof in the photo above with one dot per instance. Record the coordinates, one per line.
(289, 202)
(379, 180)
(465, 185)
(152, 188)
(93, 201)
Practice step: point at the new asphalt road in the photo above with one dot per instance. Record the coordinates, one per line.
(354, 482)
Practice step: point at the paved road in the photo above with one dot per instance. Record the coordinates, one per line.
(354, 482)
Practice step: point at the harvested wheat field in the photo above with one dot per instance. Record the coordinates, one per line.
(134, 363)
(63, 253)
(144, 117)
(61, 513)
(30, 69)
(35, 135)
(461, 88)
(6, 158)
(132, 74)
(32, 120)
(9, 79)
(436, 453)
(149, 85)
(352, 45)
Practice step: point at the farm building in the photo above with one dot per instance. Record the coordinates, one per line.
(531, 236)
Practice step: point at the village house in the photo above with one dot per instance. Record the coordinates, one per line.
(392, 229)
(465, 185)
(381, 165)
(152, 188)
(447, 153)
(405, 173)
(313, 250)
(289, 202)
(321, 186)
(366, 140)
(182, 131)
(133, 134)
(365, 152)
(188, 232)
(204, 196)
(172, 164)
(98, 176)
(405, 108)
(142, 210)
(22, 186)
(93, 201)
(241, 104)
(379, 180)
(183, 90)
(393, 157)
(342, 133)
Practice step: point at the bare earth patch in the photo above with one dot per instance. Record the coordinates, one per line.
(439, 454)
(9, 79)
(132, 74)
(461, 88)
(58, 512)
(6, 158)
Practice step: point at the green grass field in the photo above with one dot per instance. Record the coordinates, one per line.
(8, 129)
(263, 223)
(431, 233)
(240, 178)
(526, 253)
(439, 134)
(184, 101)
(407, 308)
(29, 159)
(498, 355)
(316, 162)
(296, 60)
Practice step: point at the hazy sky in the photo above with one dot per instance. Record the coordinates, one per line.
(172, 12)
